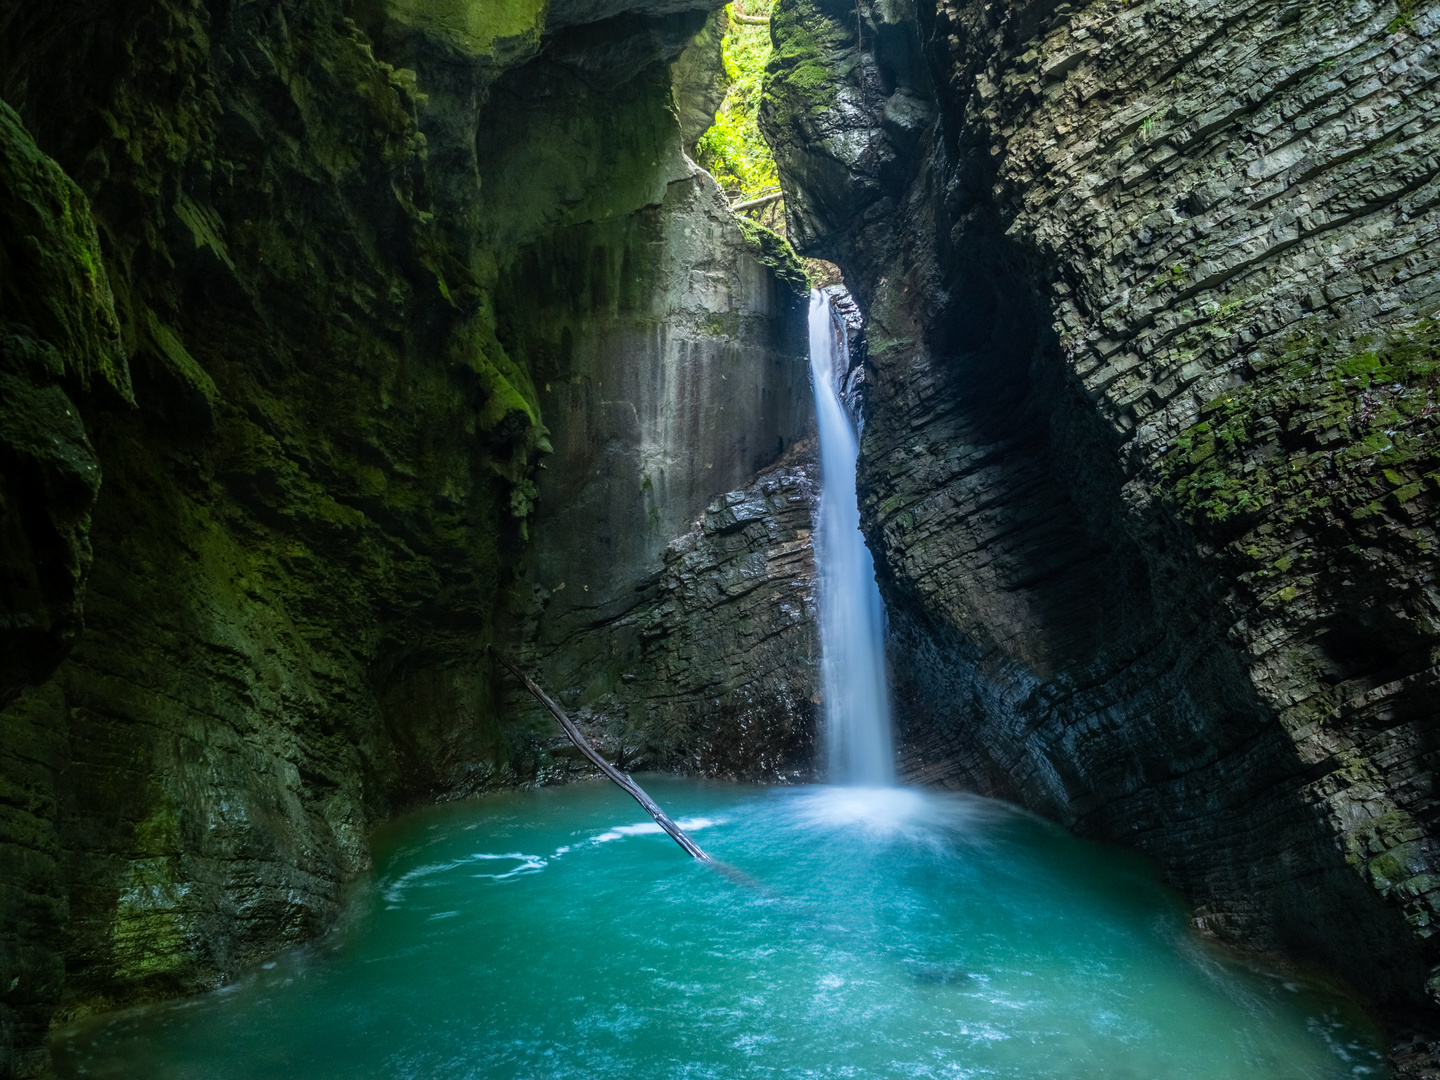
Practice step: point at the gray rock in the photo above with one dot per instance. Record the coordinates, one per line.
(698, 75)
(1124, 479)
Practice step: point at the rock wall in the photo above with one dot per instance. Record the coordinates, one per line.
(709, 662)
(1149, 464)
(656, 400)
(264, 356)
(59, 341)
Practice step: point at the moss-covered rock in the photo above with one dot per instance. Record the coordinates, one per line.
(472, 28)
(319, 224)
(59, 340)
(1316, 434)
(775, 253)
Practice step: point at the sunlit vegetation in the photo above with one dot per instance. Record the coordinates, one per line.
(733, 150)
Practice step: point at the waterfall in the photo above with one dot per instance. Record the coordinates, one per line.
(852, 642)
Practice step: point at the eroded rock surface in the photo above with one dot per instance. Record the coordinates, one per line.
(311, 220)
(1150, 455)
(655, 400)
(709, 663)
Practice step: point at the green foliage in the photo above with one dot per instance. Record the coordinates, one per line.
(733, 150)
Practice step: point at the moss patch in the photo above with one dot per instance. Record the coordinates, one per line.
(775, 251)
(53, 283)
(474, 27)
(1314, 432)
(808, 43)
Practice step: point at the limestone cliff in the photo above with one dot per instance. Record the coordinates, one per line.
(656, 404)
(1150, 461)
(273, 424)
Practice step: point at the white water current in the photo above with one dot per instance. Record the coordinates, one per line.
(852, 620)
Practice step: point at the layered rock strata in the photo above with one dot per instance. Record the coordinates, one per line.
(655, 401)
(1149, 466)
(269, 319)
(709, 664)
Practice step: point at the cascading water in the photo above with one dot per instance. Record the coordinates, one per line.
(852, 626)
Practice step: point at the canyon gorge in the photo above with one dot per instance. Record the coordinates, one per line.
(345, 342)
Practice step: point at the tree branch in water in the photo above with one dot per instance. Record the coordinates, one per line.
(634, 790)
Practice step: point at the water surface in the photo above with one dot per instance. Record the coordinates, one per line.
(558, 934)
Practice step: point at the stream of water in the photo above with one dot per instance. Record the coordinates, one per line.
(556, 934)
(852, 618)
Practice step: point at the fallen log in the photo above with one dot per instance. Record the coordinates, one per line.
(763, 200)
(751, 20)
(634, 790)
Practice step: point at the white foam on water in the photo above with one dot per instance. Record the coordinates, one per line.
(875, 810)
(648, 828)
(888, 815)
(394, 892)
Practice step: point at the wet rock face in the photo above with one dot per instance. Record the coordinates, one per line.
(710, 664)
(655, 400)
(307, 227)
(1150, 427)
(59, 339)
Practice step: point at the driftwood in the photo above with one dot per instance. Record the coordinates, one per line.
(634, 790)
(763, 200)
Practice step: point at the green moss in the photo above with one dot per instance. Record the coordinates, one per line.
(1348, 442)
(733, 149)
(1359, 366)
(159, 833)
(53, 283)
(147, 939)
(1408, 491)
(474, 27)
(167, 345)
(775, 251)
(812, 51)
(508, 390)
(806, 44)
